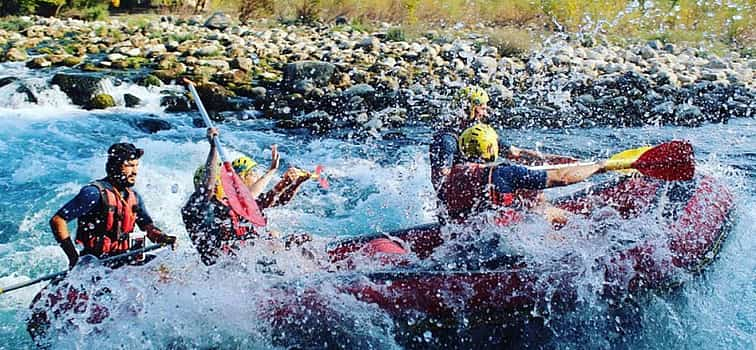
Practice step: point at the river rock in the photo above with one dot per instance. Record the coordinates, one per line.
(100, 101)
(319, 73)
(687, 114)
(152, 125)
(16, 54)
(218, 20)
(7, 80)
(131, 100)
(38, 62)
(369, 44)
(362, 90)
(176, 103)
(79, 87)
(647, 52)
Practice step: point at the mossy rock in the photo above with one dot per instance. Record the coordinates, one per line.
(120, 65)
(46, 50)
(150, 80)
(101, 101)
(166, 75)
(90, 67)
(71, 61)
(137, 62)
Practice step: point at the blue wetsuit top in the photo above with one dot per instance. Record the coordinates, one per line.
(89, 198)
(508, 178)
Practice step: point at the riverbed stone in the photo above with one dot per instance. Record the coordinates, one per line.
(16, 54)
(319, 73)
(218, 20)
(100, 101)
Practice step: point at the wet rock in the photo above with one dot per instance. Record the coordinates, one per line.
(150, 80)
(176, 103)
(218, 20)
(7, 80)
(317, 121)
(152, 125)
(38, 62)
(686, 114)
(713, 75)
(131, 100)
(319, 73)
(214, 96)
(27, 92)
(16, 54)
(362, 90)
(100, 101)
(79, 87)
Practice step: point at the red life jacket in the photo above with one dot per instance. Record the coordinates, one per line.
(106, 231)
(240, 227)
(468, 190)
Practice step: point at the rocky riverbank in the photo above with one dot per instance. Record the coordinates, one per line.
(330, 77)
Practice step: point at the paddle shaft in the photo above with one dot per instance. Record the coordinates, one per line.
(208, 122)
(63, 273)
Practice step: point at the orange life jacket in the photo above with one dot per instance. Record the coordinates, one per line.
(468, 190)
(107, 231)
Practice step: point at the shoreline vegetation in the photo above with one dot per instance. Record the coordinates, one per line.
(715, 24)
(336, 65)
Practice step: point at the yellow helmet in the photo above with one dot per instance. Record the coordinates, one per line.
(479, 141)
(199, 177)
(473, 95)
(243, 164)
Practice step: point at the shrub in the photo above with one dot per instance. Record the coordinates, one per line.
(14, 24)
(510, 42)
(256, 8)
(308, 11)
(396, 34)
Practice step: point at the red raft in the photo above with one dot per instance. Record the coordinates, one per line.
(695, 212)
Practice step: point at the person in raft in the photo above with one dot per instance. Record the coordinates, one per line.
(107, 211)
(214, 228)
(478, 185)
(471, 107)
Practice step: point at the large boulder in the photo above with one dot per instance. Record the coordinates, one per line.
(80, 87)
(319, 73)
(218, 20)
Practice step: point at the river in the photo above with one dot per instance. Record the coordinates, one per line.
(49, 150)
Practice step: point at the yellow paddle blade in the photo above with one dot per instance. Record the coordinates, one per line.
(625, 159)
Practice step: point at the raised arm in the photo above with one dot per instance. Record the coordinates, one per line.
(257, 188)
(211, 168)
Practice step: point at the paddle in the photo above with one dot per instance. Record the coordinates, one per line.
(239, 198)
(63, 273)
(671, 161)
(318, 174)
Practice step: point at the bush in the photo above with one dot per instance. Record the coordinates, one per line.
(396, 34)
(510, 42)
(256, 8)
(14, 24)
(308, 11)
